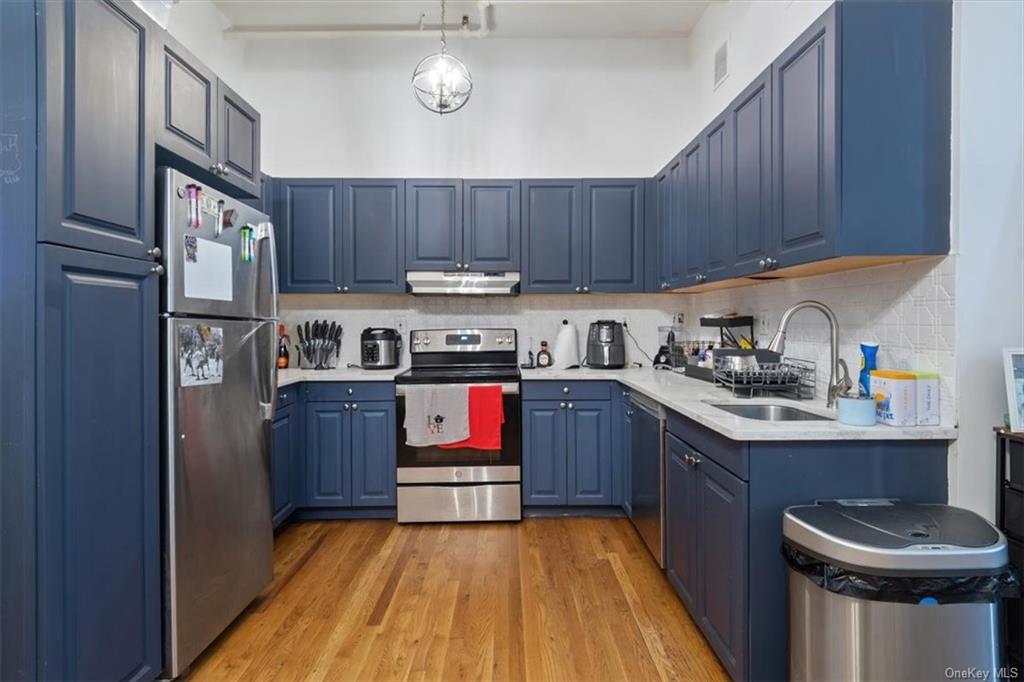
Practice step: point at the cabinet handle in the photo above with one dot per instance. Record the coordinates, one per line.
(772, 263)
(664, 285)
(586, 290)
(224, 170)
(458, 266)
(338, 289)
(695, 460)
(355, 406)
(155, 252)
(281, 397)
(350, 391)
(763, 263)
(561, 405)
(565, 389)
(579, 290)
(345, 407)
(570, 406)
(344, 290)
(629, 413)
(215, 169)
(157, 270)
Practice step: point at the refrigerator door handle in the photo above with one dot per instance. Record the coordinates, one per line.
(268, 258)
(266, 363)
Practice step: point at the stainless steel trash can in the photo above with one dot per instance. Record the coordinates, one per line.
(887, 590)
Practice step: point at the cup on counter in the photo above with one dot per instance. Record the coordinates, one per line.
(857, 411)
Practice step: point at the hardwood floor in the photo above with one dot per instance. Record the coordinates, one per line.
(546, 599)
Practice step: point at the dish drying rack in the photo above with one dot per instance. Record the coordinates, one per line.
(788, 378)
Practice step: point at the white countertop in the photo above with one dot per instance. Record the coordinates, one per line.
(685, 395)
(287, 377)
(689, 397)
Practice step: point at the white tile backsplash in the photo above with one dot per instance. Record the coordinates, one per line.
(907, 308)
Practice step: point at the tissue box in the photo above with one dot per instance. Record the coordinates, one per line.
(895, 397)
(927, 398)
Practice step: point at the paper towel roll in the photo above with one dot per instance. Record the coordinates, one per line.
(567, 347)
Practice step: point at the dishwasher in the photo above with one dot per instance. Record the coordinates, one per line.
(647, 473)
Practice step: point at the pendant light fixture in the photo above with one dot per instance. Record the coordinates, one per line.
(441, 81)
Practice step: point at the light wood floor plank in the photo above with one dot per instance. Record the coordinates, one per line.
(546, 599)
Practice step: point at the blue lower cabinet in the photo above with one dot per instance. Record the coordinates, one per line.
(285, 463)
(567, 451)
(350, 454)
(681, 488)
(373, 452)
(544, 452)
(98, 469)
(589, 473)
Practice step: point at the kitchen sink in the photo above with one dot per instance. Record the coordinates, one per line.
(770, 413)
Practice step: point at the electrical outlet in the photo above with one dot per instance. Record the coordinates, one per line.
(679, 318)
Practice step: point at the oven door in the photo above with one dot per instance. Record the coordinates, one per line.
(419, 465)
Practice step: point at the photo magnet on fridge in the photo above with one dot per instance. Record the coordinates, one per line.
(200, 355)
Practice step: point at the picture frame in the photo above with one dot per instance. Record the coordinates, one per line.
(1013, 368)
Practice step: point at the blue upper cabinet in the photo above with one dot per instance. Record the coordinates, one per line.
(99, 589)
(96, 155)
(721, 209)
(433, 229)
(308, 234)
(694, 211)
(749, 179)
(373, 453)
(670, 242)
(238, 140)
(490, 222)
(185, 104)
(613, 235)
(804, 145)
(552, 236)
(373, 236)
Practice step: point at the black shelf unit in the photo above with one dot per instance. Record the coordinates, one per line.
(1010, 519)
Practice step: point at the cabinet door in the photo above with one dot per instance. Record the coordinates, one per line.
(99, 467)
(328, 460)
(671, 242)
(694, 211)
(238, 135)
(433, 224)
(681, 548)
(185, 104)
(552, 229)
(750, 167)
(97, 155)
(718, 141)
(544, 452)
(373, 454)
(373, 235)
(804, 198)
(309, 235)
(613, 235)
(589, 450)
(723, 564)
(282, 472)
(626, 443)
(490, 219)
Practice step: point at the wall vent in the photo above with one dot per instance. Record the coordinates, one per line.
(721, 62)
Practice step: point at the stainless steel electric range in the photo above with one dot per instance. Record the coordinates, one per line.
(462, 484)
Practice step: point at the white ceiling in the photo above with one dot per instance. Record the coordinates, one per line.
(507, 18)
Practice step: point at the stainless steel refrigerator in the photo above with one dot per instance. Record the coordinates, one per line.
(218, 336)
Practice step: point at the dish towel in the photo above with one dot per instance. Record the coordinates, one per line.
(436, 414)
(486, 415)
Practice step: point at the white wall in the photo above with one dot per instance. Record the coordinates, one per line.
(540, 108)
(988, 229)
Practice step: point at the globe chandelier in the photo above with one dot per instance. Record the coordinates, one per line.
(441, 81)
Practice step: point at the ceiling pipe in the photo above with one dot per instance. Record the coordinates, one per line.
(463, 29)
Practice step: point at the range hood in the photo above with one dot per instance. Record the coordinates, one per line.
(463, 283)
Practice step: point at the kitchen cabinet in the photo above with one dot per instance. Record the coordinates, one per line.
(718, 234)
(203, 127)
(433, 229)
(670, 251)
(622, 439)
(309, 235)
(286, 448)
(491, 225)
(567, 451)
(552, 236)
(350, 454)
(681, 521)
(613, 236)
(98, 469)
(96, 153)
(694, 210)
(373, 236)
(747, 229)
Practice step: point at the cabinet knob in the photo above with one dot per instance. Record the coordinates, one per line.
(214, 169)
(695, 460)
(224, 170)
(664, 285)
(281, 397)
(155, 252)
(344, 290)
(345, 407)
(629, 413)
(350, 391)
(763, 263)
(458, 266)
(561, 405)
(772, 263)
(565, 389)
(338, 289)
(355, 406)
(570, 406)
(579, 290)
(586, 290)
(157, 270)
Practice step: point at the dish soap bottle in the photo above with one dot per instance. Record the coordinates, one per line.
(868, 362)
(543, 356)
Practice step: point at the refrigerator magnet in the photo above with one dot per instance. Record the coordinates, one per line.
(200, 355)
(191, 249)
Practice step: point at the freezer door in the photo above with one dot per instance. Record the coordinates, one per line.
(220, 258)
(219, 393)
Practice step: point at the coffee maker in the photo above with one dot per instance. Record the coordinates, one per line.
(606, 347)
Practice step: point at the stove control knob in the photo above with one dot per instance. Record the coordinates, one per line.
(508, 339)
(426, 341)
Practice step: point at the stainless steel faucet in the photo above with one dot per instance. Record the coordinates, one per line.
(839, 382)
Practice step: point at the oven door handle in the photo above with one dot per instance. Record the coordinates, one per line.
(506, 388)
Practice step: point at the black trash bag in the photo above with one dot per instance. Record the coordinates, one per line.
(966, 589)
